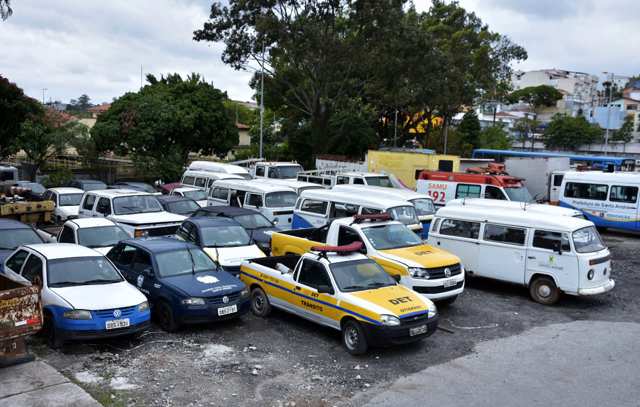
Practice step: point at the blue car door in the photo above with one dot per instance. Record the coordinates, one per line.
(122, 256)
(143, 273)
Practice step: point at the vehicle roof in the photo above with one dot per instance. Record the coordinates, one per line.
(278, 163)
(91, 222)
(89, 181)
(114, 193)
(209, 222)
(172, 198)
(251, 184)
(12, 224)
(159, 244)
(53, 251)
(291, 183)
(513, 205)
(354, 197)
(211, 174)
(25, 182)
(228, 168)
(362, 174)
(228, 210)
(625, 177)
(67, 190)
(132, 183)
(511, 217)
(399, 193)
(185, 189)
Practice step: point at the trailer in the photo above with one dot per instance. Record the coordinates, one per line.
(542, 174)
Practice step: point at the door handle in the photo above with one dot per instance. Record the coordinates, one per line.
(531, 257)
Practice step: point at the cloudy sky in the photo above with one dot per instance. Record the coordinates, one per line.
(73, 47)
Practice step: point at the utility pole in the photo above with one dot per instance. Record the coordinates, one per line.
(261, 99)
(43, 90)
(140, 76)
(395, 129)
(606, 133)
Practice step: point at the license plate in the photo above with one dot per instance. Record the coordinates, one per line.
(117, 323)
(450, 283)
(227, 310)
(418, 330)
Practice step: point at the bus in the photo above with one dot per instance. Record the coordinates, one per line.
(593, 161)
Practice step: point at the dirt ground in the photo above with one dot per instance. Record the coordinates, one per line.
(286, 361)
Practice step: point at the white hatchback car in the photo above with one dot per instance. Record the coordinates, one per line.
(67, 201)
(83, 295)
(100, 234)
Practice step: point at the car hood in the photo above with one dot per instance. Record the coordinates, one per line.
(92, 297)
(233, 256)
(148, 218)
(205, 284)
(69, 210)
(421, 256)
(395, 299)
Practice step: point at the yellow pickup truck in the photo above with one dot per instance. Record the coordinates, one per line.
(432, 272)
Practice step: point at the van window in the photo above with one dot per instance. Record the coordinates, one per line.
(435, 224)
(88, 202)
(491, 192)
(557, 180)
(201, 182)
(623, 194)
(220, 193)
(468, 191)
(460, 228)
(313, 206)
(581, 190)
(342, 180)
(544, 239)
(254, 200)
(358, 181)
(210, 183)
(188, 180)
(260, 171)
(341, 210)
(504, 234)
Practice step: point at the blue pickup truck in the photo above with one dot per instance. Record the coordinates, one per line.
(181, 281)
(14, 234)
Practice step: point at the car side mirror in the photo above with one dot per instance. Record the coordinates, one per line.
(396, 277)
(325, 289)
(557, 246)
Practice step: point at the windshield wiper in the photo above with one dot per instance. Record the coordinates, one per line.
(377, 284)
(100, 281)
(354, 287)
(66, 283)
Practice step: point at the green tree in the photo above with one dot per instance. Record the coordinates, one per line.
(165, 121)
(15, 108)
(568, 133)
(495, 137)
(524, 127)
(625, 134)
(469, 129)
(537, 97)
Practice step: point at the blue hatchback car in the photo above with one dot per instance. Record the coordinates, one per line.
(181, 281)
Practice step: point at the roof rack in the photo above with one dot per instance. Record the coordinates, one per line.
(374, 217)
(346, 249)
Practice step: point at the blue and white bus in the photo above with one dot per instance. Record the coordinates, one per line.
(608, 199)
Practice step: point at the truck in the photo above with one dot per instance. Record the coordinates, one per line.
(407, 164)
(331, 177)
(344, 290)
(276, 170)
(436, 274)
(14, 206)
(543, 175)
(20, 316)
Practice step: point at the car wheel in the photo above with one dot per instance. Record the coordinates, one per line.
(544, 290)
(353, 338)
(54, 339)
(260, 305)
(165, 317)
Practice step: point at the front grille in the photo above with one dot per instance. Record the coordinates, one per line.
(218, 299)
(414, 318)
(108, 313)
(163, 231)
(282, 213)
(438, 272)
(437, 290)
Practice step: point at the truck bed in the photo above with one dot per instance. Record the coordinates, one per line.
(315, 234)
(297, 241)
(271, 262)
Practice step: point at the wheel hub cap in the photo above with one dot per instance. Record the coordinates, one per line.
(544, 291)
(351, 338)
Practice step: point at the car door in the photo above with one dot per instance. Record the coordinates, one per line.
(503, 253)
(122, 256)
(460, 237)
(86, 207)
(544, 258)
(142, 270)
(32, 270)
(311, 304)
(554, 186)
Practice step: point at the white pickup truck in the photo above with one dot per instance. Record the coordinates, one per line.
(99, 234)
(139, 213)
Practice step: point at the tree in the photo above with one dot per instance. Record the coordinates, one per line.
(625, 134)
(568, 133)
(79, 105)
(469, 129)
(165, 121)
(536, 97)
(495, 137)
(5, 9)
(525, 127)
(15, 108)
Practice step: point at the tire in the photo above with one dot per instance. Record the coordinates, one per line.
(543, 290)
(446, 301)
(166, 318)
(54, 339)
(353, 338)
(260, 305)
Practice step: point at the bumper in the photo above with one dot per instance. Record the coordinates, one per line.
(608, 286)
(435, 289)
(103, 333)
(398, 335)
(209, 313)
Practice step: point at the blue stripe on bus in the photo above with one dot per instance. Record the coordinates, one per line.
(632, 224)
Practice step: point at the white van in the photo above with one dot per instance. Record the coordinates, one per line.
(204, 179)
(276, 170)
(297, 186)
(329, 178)
(529, 207)
(210, 166)
(608, 199)
(425, 209)
(550, 254)
(274, 202)
(316, 208)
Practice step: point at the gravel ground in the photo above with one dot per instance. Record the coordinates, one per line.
(286, 361)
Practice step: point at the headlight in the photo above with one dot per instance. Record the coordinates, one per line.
(590, 274)
(143, 306)
(244, 292)
(77, 314)
(275, 221)
(433, 311)
(389, 320)
(193, 301)
(418, 272)
(140, 233)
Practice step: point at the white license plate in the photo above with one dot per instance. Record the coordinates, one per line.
(118, 323)
(450, 283)
(227, 310)
(418, 330)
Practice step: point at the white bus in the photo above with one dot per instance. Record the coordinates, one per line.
(549, 254)
(608, 199)
(204, 179)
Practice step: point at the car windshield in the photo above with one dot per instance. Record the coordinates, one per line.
(196, 195)
(225, 236)
(103, 236)
(183, 261)
(186, 207)
(284, 171)
(12, 238)
(424, 206)
(520, 194)
(253, 221)
(587, 240)
(284, 199)
(70, 199)
(394, 236)
(405, 214)
(126, 205)
(381, 181)
(360, 275)
(81, 271)
(92, 186)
